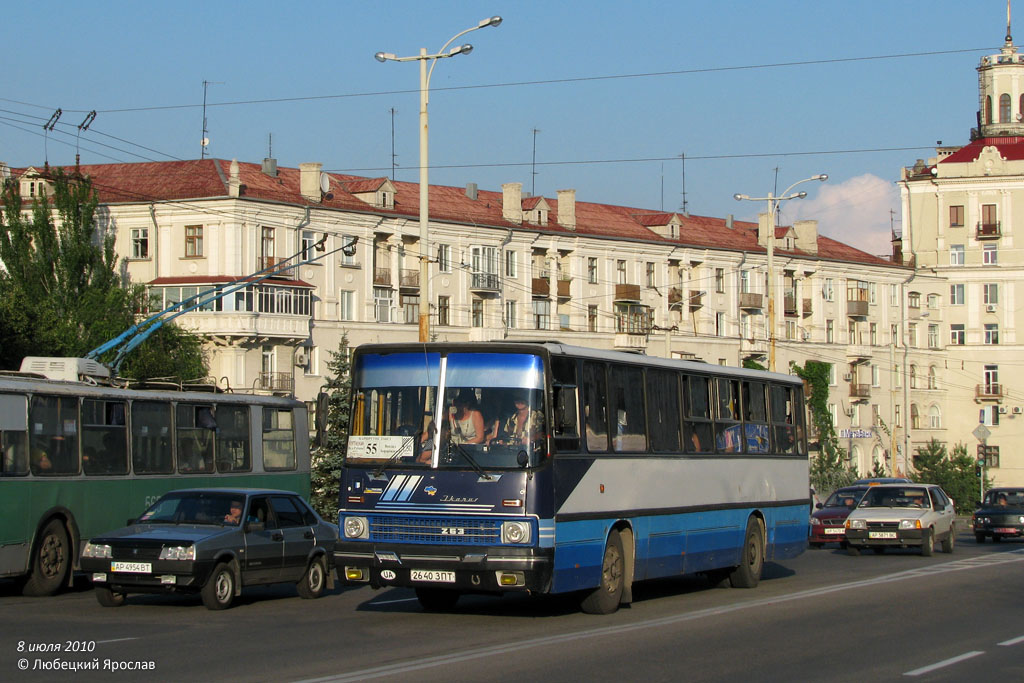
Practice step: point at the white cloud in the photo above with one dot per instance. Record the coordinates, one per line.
(855, 212)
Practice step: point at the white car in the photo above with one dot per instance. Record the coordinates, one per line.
(902, 515)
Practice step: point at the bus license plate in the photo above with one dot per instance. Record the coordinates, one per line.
(432, 576)
(131, 567)
(882, 534)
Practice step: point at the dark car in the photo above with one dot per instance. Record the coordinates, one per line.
(828, 522)
(214, 542)
(1000, 515)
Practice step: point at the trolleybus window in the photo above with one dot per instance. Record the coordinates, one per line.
(14, 434)
(194, 430)
(54, 435)
(151, 438)
(233, 439)
(728, 436)
(104, 437)
(278, 440)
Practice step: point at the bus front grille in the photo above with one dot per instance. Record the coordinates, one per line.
(444, 530)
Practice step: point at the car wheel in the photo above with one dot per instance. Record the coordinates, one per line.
(109, 598)
(312, 583)
(879, 550)
(748, 573)
(852, 550)
(980, 538)
(437, 599)
(928, 543)
(606, 597)
(949, 541)
(49, 561)
(219, 590)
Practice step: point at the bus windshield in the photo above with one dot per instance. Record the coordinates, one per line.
(453, 411)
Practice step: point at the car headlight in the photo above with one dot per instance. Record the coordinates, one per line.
(515, 532)
(178, 552)
(856, 524)
(910, 524)
(356, 527)
(815, 521)
(96, 550)
(1020, 520)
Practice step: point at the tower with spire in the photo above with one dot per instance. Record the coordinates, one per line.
(1001, 91)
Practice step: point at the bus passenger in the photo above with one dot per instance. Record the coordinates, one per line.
(464, 419)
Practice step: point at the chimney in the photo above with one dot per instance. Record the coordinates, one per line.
(471, 191)
(512, 202)
(728, 221)
(567, 208)
(309, 181)
(270, 167)
(234, 184)
(762, 230)
(806, 236)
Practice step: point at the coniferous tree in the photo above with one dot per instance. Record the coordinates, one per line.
(327, 458)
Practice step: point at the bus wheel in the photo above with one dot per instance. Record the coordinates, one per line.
(109, 598)
(219, 590)
(748, 573)
(50, 562)
(606, 597)
(313, 581)
(437, 599)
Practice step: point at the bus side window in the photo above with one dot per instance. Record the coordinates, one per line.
(627, 408)
(755, 417)
(13, 434)
(663, 410)
(783, 424)
(728, 430)
(595, 403)
(698, 437)
(233, 439)
(566, 409)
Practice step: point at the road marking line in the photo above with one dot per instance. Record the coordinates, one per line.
(944, 663)
(391, 602)
(1012, 641)
(409, 666)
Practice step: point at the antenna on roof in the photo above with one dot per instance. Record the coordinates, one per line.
(682, 156)
(205, 139)
(270, 145)
(533, 168)
(393, 155)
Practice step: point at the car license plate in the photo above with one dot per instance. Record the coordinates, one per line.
(432, 576)
(131, 567)
(881, 534)
(1005, 530)
(835, 531)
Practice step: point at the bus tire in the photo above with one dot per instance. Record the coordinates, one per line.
(606, 597)
(219, 590)
(109, 598)
(50, 561)
(437, 599)
(748, 573)
(312, 583)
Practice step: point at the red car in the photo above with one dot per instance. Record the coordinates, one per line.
(828, 521)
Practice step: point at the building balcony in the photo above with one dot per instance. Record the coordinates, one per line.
(627, 292)
(860, 390)
(564, 284)
(988, 392)
(272, 263)
(988, 231)
(696, 299)
(541, 287)
(675, 295)
(485, 282)
(276, 382)
(856, 308)
(257, 326)
(409, 278)
(789, 304)
(626, 340)
(754, 348)
(858, 353)
(750, 300)
(382, 277)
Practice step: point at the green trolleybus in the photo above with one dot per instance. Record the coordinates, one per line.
(78, 458)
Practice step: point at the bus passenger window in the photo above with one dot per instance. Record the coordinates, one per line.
(663, 402)
(755, 427)
(595, 399)
(728, 430)
(698, 432)
(627, 409)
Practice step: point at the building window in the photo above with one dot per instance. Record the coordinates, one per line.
(719, 280)
(956, 216)
(933, 378)
(478, 312)
(933, 336)
(563, 321)
(897, 416)
(744, 281)
(411, 307)
(990, 292)
(592, 270)
(443, 310)
(828, 291)
(956, 254)
(876, 376)
(872, 294)
(140, 243)
(988, 109)
(932, 301)
(345, 259)
(1004, 108)
(308, 240)
(347, 305)
(650, 275)
(620, 271)
(267, 247)
(914, 299)
(510, 314)
(312, 360)
(956, 334)
(511, 264)
(894, 335)
(991, 379)
(915, 417)
(956, 295)
(934, 418)
(592, 318)
(193, 240)
(991, 333)
(541, 314)
(790, 329)
(382, 304)
(989, 219)
(873, 333)
(719, 324)
(989, 255)
(444, 258)
(912, 335)
(485, 264)
(830, 332)
(894, 295)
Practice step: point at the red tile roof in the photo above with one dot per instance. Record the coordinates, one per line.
(169, 181)
(1010, 148)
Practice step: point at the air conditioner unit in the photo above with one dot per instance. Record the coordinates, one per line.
(848, 377)
(301, 360)
(1002, 410)
(1017, 410)
(990, 308)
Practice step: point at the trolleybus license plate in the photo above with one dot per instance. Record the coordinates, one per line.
(132, 567)
(431, 575)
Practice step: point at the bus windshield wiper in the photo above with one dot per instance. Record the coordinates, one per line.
(394, 457)
(471, 461)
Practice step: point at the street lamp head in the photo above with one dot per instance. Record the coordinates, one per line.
(491, 21)
(801, 195)
(821, 176)
(460, 50)
(739, 196)
(383, 56)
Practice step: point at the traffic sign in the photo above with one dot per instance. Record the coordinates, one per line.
(981, 432)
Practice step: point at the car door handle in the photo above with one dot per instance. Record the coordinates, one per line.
(277, 537)
(308, 534)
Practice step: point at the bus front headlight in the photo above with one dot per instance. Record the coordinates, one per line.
(515, 532)
(356, 527)
(96, 550)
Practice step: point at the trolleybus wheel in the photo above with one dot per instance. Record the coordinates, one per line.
(50, 561)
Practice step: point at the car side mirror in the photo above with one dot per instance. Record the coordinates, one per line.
(254, 526)
(818, 505)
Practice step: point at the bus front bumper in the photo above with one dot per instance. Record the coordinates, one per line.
(463, 568)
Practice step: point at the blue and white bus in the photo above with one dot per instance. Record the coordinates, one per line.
(499, 467)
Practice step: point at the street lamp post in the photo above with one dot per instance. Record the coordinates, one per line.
(773, 204)
(425, 74)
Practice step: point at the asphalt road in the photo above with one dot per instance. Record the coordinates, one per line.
(824, 615)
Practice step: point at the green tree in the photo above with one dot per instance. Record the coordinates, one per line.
(828, 468)
(954, 472)
(327, 457)
(60, 290)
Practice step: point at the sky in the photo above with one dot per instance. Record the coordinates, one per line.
(756, 95)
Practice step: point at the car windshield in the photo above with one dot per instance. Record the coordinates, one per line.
(896, 497)
(489, 416)
(1005, 497)
(844, 498)
(195, 507)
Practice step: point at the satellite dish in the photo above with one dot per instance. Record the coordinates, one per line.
(205, 142)
(325, 183)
